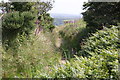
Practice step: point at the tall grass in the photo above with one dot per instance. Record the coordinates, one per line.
(32, 59)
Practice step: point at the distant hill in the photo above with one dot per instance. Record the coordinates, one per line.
(59, 18)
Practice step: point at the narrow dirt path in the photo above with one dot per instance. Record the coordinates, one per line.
(58, 40)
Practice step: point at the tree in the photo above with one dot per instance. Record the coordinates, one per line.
(46, 21)
(16, 27)
(43, 7)
(22, 6)
(19, 21)
(100, 14)
(40, 9)
(5, 7)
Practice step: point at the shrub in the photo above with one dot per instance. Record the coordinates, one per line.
(95, 67)
(16, 25)
(104, 39)
(102, 62)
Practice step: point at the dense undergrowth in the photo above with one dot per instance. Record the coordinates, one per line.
(32, 58)
(74, 50)
(37, 57)
(98, 58)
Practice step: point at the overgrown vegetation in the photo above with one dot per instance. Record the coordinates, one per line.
(32, 59)
(24, 54)
(85, 50)
(102, 63)
(71, 36)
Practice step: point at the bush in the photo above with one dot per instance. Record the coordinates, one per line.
(16, 25)
(104, 39)
(102, 62)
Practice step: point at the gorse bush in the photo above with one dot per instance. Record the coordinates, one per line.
(19, 21)
(16, 25)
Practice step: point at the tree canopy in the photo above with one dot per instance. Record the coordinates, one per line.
(100, 14)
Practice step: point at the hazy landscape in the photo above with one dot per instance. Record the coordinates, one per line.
(59, 18)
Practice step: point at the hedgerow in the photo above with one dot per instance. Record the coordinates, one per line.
(98, 58)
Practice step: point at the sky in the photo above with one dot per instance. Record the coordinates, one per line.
(66, 6)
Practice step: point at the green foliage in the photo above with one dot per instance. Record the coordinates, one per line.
(46, 21)
(22, 6)
(39, 8)
(5, 6)
(103, 46)
(95, 67)
(12, 21)
(105, 39)
(36, 60)
(24, 55)
(16, 25)
(103, 62)
(44, 7)
(29, 56)
(32, 59)
(102, 66)
(16, 20)
(72, 37)
(100, 14)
